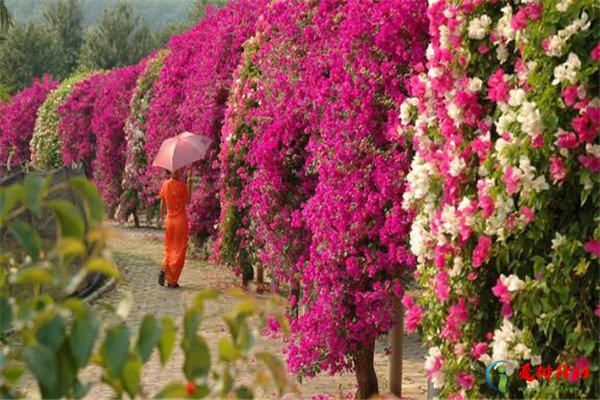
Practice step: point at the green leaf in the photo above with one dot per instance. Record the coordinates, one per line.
(201, 392)
(13, 372)
(244, 392)
(6, 314)
(588, 346)
(91, 195)
(207, 294)
(131, 376)
(149, 336)
(41, 361)
(277, 369)
(227, 350)
(104, 266)
(246, 307)
(35, 189)
(197, 358)
(234, 326)
(83, 336)
(227, 383)
(116, 349)
(9, 197)
(52, 332)
(167, 340)
(69, 218)
(191, 322)
(27, 238)
(172, 391)
(70, 247)
(66, 369)
(80, 390)
(35, 275)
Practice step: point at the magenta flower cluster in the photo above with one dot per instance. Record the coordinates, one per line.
(321, 187)
(75, 126)
(111, 108)
(17, 119)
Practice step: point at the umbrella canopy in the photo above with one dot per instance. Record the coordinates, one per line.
(181, 150)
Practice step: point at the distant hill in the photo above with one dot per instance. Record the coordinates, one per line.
(157, 13)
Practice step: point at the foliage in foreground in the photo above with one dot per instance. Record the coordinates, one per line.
(55, 338)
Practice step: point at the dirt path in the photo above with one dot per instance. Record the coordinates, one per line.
(139, 252)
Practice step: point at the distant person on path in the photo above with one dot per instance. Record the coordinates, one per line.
(174, 195)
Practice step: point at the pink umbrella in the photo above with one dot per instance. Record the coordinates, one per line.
(181, 150)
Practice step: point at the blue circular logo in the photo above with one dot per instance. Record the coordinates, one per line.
(503, 379)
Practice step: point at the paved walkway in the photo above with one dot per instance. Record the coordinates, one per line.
(139, 252)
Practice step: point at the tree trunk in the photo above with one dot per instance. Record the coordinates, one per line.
(112, 210)
(260, 274)
(295, 291)
(149, 217)
(136, 219)
(247, 275)
(395, 341)
(365, 371)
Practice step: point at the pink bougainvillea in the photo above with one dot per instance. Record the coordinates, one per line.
(319, 193)
(110, 110)
(17, 121)
(362, 52)
(136, 194)
(75, 127)
(280, 182)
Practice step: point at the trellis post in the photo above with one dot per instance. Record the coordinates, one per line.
(395, 342)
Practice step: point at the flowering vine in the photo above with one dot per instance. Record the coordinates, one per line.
(17, 121)
(110, 110)
(75, 126)
(234, 243)
(504, 122)
(136, 192)
(362, 52)
(45, 144)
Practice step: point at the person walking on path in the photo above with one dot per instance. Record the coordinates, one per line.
(174, 195)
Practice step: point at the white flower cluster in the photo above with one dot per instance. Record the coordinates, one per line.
(563, 5)
(407, 109)
(557, 43)
(479, 27)
(530, 183)
(437, 378)
(512, 282)
(530, 118)
(567, 71)
(420, 237)
(505, 33)
(418, 180)
(502, 343)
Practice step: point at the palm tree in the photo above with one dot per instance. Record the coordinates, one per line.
(5, 18)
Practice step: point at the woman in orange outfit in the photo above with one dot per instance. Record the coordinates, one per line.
(174, 195)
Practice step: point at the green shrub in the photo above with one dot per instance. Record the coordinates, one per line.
(54, 337)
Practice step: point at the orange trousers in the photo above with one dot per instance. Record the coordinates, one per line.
(176, 238)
